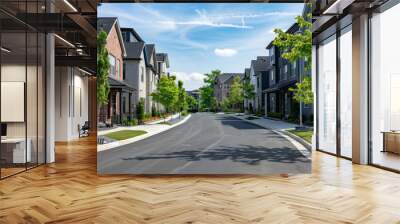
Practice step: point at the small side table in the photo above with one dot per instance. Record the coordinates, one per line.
(391, 141)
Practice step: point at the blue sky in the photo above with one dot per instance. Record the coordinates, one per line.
(202, 37)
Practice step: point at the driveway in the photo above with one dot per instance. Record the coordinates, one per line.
(207, 144)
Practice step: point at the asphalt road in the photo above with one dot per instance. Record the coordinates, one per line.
(207, 144)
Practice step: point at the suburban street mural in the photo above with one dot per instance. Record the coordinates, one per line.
(204, 88)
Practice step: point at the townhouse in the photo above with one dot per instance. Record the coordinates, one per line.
(222, 86)
(121, 91)
(162, 61)
(248, 103)
(356, 80)
(258, 78)
(283, 75)
(152, 76)
(135, 70)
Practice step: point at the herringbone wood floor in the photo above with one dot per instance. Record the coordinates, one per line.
(70, 191)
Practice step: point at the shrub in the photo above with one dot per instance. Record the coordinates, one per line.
(275, 115)
(140, 111)
(125, 121)
(133, 122)
(258, 113)
(153, 111)
(184, 113)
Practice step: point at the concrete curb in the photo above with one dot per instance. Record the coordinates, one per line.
(166, 119)
(297, 138)
(298, 142)
(138, 138)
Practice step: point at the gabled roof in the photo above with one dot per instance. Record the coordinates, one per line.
(106, 24)
(261, 64)
(246, 72)
(133, 32)
(134, 50)
(149, 49)
(292, 29)
(226, 76)
(163, 57)
(118, 84)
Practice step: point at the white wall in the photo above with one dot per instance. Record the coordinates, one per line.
(71, 87)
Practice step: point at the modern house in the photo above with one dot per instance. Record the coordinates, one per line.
(134, 71)
(222, 86)
(248, 103)
(120, 91)
(196, 95)
(284, 75)
(259, 79)
(48, 82)
(356, 80)
(162, 63)
(152, 76)
(162, 70)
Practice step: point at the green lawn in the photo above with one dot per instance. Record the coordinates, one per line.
(125, 134)
(306, 135)
(165, 122)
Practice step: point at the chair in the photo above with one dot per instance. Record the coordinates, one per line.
(84, 130)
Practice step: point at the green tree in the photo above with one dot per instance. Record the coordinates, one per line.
(303, 92)
(236, 95)
(140, 110)
(166, 92)
(192, 103)
(248, 90)
(207, 99)
(103, 66)
(297, 46)
(181, 103)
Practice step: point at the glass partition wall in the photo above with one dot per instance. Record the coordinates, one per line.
(334, 94)
(22, 107)
(345, 89)
(327, 95)
(385, 89)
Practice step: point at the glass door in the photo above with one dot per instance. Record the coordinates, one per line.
(346, 92)
(385, 89)
(327, 95)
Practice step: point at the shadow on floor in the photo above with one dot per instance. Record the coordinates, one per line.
(246, 154)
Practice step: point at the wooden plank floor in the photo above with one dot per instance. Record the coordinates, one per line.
(70, 191)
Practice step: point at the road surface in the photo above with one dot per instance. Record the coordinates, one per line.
(207, 144)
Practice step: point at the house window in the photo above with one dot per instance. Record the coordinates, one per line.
(124, 71)
(111, 59)
(272, 77)
(258, 82)
(142, 74)
(272, 102)
(117, 69)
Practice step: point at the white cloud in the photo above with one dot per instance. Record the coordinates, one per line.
(191, 81)
(225, 52)
(209, 23)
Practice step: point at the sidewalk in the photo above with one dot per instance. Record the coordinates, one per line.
(272, 124)
(151, 129)
(279, 127)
